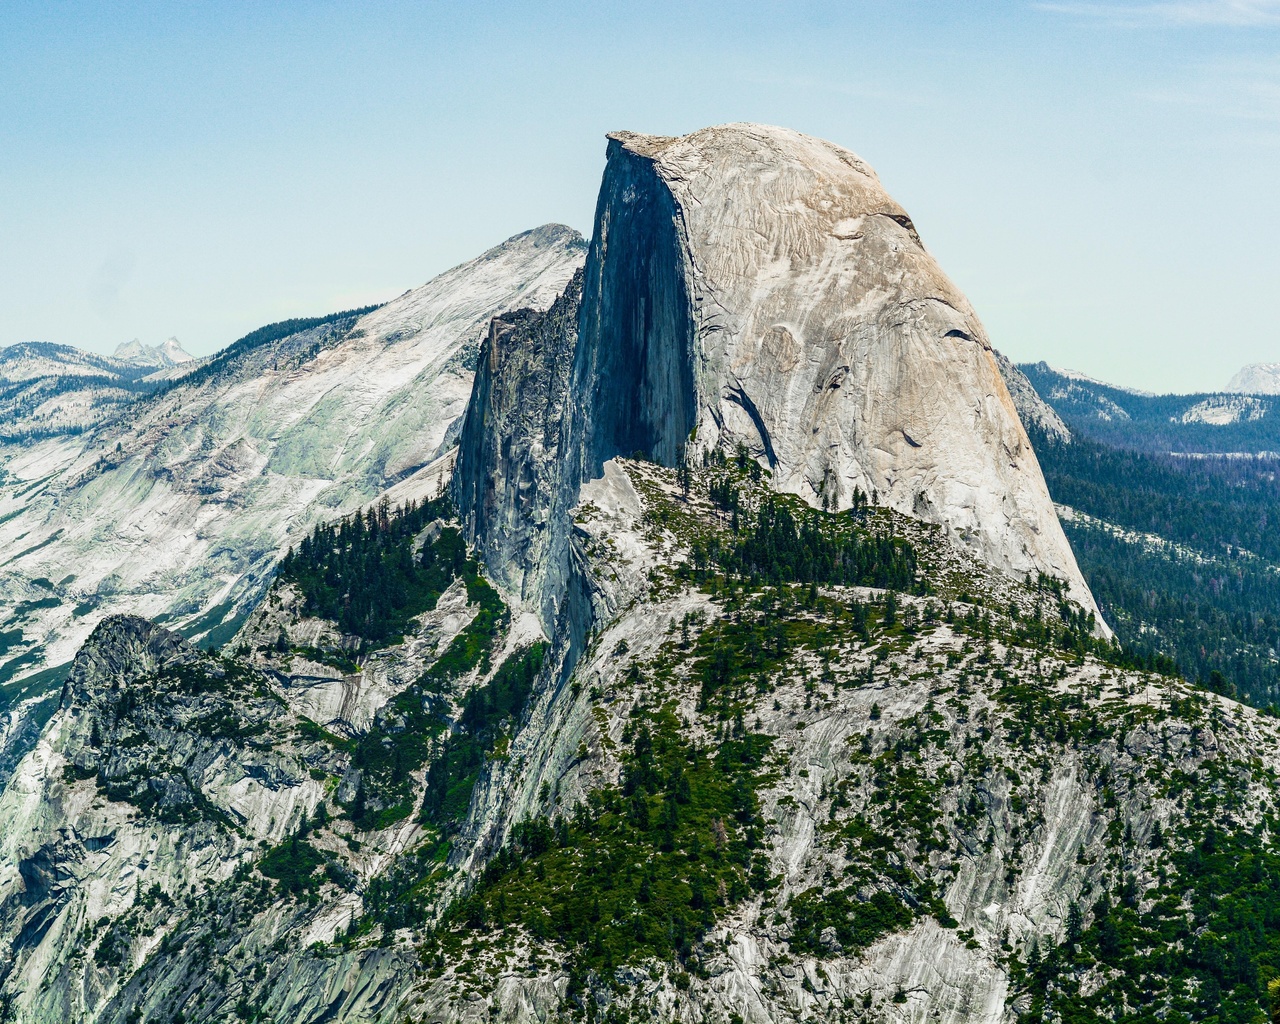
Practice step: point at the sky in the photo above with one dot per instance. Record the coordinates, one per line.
(1100, 178)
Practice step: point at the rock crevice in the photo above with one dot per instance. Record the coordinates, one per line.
(830, 343)
(748, 285)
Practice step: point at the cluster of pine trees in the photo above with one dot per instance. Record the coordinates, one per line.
(362, 572)
(781, 541)
(1215, 608)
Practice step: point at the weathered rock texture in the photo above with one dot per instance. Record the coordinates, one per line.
(118, 908)
(156, 728)
(182, 507)
(1256, 379)
(1032, 409)
(749, 284)
(163, 770)
(510, 452)
(745, 286)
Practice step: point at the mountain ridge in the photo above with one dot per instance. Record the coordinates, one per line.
(50, 390)
(625, 720)
(1256, 379)
(181, 510)
(1206, 423)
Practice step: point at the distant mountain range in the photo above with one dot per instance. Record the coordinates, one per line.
(1205, 423)
(169, 353)
(179, 509)
(48, 390)
(1170, 503)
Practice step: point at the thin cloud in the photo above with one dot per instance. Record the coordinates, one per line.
(1228, 13)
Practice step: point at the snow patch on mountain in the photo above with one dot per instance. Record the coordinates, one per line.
(170, 353)
(1084, 378)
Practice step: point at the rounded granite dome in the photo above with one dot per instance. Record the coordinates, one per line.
(751, 284)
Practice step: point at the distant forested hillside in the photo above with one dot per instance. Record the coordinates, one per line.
(1183, 555)
(1209, 422)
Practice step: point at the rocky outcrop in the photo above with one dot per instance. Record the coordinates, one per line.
(1256, 379)
(510, 465)
(752, 285)
(343, 698)
(1032, 409)
(1033, 818)
(1222, 410)
(164, 770)
(150, 782)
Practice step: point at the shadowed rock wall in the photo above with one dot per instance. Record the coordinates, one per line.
(510, 454)
(634, 373)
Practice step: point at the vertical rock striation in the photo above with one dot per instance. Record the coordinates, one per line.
(748, 284)
(510, 452)
(634, 375)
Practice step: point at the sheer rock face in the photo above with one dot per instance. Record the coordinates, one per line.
(754, 285)
(635, 371)
(510, 453)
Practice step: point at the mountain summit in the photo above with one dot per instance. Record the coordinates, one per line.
(1256, 379)
(750, 285)
(814, 327)
(170, 353)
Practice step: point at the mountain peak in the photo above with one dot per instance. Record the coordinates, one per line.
(169, 353)
(122, 646)
(752, 285)
(1256, 379)
(173, 351)
(785, 144)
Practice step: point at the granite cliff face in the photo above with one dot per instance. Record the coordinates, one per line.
(510, 472)
(732, 744)
(179, 506)
(748, 284)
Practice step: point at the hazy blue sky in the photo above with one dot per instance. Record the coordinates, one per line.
(1100, 178)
